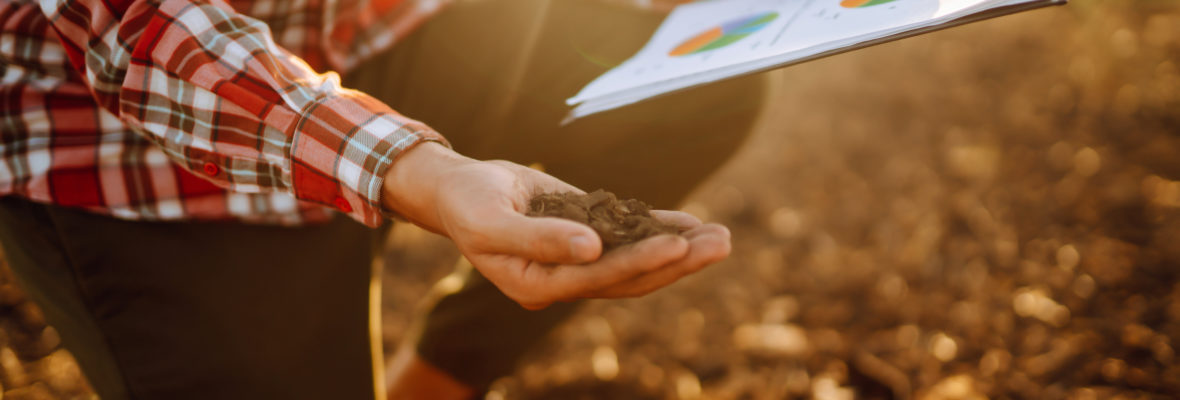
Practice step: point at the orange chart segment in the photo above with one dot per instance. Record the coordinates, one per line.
(863, 3)
(692, 45)
(724, 35)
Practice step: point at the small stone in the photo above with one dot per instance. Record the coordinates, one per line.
(958, 387)
(1113, 369)
(1083, 286)
(36, 391)
(495, 394)
(883, 373)
(1162, 351)
(60, 372)
(1031, 302)
(994, 361)
(943, 347)
(1087, 162)
(771, 339)
(1160, 191)
(48, 341)
(892, 287)
(826, 388)
(798, 381)
(1083, 394)
(10, 295)
(1068, 257)
(30, 316)
(12, 371)
(974, 162)
(1025, 302)
(605, 363)
(779, 310)
(907, 335)
(688, 386)
(1136, 335)
(786, 223)
(34, 344)
(1063, 351)
(1124, 42)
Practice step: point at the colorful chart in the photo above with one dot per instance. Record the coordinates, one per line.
(863, 3)
(724, 35)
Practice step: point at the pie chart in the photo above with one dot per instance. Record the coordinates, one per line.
(863, 3)
(724, 35)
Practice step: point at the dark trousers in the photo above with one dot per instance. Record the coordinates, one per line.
(226, 311)
(199, 310)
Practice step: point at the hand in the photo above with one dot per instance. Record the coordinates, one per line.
(537, 261)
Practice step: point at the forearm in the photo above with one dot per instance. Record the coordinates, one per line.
(211, 88)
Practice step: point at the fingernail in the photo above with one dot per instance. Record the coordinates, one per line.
(580, 247)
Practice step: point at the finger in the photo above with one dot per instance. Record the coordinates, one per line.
(544, 240)
(708, 244)
(567, 282)
(507, 273)
(682, 220)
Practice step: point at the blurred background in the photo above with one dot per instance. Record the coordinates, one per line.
(991, 211)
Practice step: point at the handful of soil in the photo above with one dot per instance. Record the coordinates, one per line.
(618, 222)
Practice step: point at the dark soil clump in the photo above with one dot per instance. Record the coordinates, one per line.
(618, 222)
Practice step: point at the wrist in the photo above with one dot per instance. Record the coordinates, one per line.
(411, 183)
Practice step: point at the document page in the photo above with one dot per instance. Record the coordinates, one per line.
(706, 41)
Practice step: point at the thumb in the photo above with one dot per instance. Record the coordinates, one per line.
(544, 240)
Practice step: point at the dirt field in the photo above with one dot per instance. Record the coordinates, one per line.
(987, 212)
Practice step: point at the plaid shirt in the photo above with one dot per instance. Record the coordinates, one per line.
(200, 109)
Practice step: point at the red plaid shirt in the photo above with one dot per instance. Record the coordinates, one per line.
(189, 109)
(201, 109)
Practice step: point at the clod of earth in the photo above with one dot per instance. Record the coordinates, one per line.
(618, 222)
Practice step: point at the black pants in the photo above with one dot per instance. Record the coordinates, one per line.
(199, 310)
(226, 311)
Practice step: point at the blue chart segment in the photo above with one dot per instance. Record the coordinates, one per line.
(724, 35)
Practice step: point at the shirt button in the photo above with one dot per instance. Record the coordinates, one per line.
(342, 204)
(211, 169)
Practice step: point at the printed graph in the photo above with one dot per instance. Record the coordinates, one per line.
(863, 3)
(724, 34)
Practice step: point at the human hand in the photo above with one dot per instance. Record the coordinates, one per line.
(537, 261)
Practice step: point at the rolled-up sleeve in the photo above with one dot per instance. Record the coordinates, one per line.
(213, 90)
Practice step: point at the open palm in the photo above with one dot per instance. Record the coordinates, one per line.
(535, 261)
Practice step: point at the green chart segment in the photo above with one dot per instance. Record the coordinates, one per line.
(724, 35)
(863, 3)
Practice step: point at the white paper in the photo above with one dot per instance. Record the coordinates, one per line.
(707, 41)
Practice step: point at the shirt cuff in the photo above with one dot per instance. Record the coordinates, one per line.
(343, 146)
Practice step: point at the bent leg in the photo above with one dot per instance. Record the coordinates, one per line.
(200, 310)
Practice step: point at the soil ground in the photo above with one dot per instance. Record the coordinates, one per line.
(987, 212)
